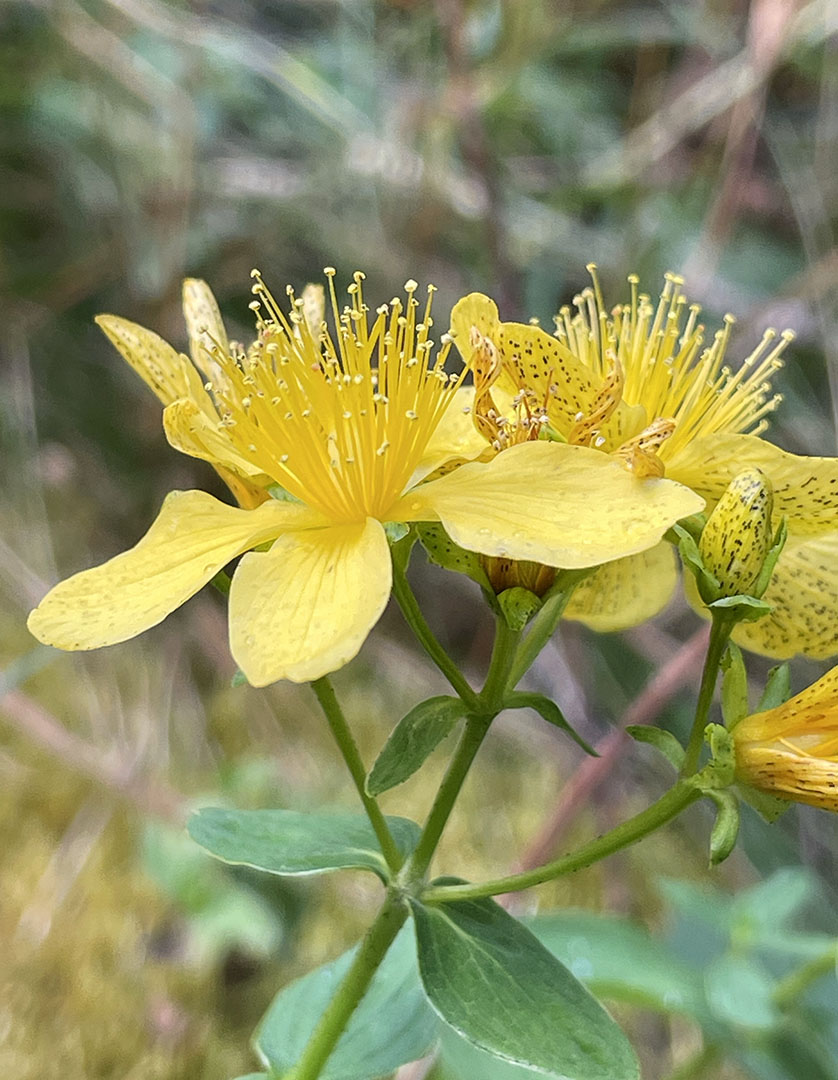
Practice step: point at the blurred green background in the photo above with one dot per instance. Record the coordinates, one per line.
(485, 145)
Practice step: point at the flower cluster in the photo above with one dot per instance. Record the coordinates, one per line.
(324, 436)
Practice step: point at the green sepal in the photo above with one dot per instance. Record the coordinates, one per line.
(742, 608)
(238, 679)
(769, 807)
(518, 605)
(548, 710)
(442, 551)
(709, 588)
(719, 772)
(726, 826)
(278, 492)
(735, 705)
(395, 531)
(777, 545)
(401, 548)
(222, 581)
(663, 741)
(777, 688)
(412, 740)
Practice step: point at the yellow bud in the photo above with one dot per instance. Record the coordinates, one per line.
(506, 574)
(738, 535)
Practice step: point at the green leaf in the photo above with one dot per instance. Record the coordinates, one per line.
(548, 710)
(777, 689)
(290, 842)
(739, 991)
(220, 912)
(254, 1076)
(392, 1025)
(492, 981)
(663, 741)
(620, 960)
(744, 608)
(725, 828)
(735, 705)
(518, 605)
(442, 551)
(415, 736)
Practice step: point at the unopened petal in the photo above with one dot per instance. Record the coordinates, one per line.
(193, 433)
(805, 488)
(803, 593)
(193, 538)
(625, 592)
(547, 502)
(305, 607)
(204, 325)
(169, 374)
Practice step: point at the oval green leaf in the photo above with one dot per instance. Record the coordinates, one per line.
(290, 842)
(415, 736)
(492, 981)
(393, 1024)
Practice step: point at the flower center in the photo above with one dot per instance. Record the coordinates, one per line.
(340, 422)
(665, 371)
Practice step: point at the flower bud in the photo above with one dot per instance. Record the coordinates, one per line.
(738, 535)
(506, 574)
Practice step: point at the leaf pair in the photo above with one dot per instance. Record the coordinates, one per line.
(471, 965)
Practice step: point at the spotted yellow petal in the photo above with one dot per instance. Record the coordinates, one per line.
(562, 505)
(193, 538)
(625, 592)
(305, 607)
(192, 432)
(204, 325)
(805, 488)
(531, 358)
(169, 374)
(803, 593)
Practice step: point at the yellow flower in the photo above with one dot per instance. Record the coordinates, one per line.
(639, 384)
(343, 427)
(792, 751)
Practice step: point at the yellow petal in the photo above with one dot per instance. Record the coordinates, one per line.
(531, 358)
(812, 712)
(204, 325)
(805, 488)
(305, 607)
(625, 592)
(455, 438)
(804, 595)
(562, 505)
(193, 433)
(193, 538)
(169, 374)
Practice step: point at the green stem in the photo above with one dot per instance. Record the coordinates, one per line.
(719, 634)
(486, 707)
(416, 621)
(671, 804)
(332, 1023)
(349, 749)
(544, 624)
(789, 989)
(473, 735)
